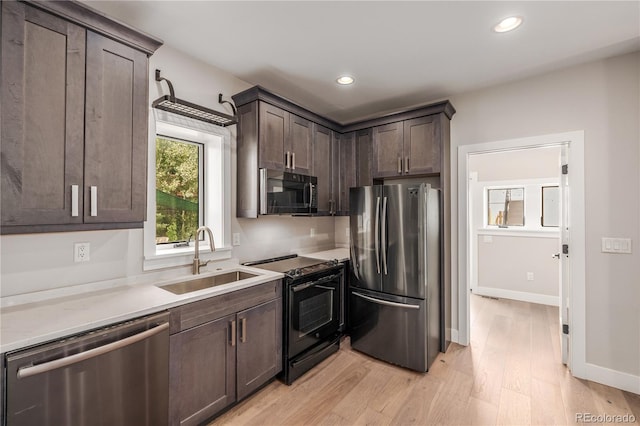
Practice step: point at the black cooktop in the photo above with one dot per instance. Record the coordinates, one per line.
(293, 265)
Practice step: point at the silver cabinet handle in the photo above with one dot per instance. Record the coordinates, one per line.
(263, 191)
(94, 201)
(293, 161)
(25, 372)
(286, 160)
(243, 330)
(384, 235)
(406, 165)
(399, 165)
(376, 236)
(386, 302)
(233, 332)
(74, 200)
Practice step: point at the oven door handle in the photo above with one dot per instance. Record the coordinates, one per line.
(324, 287)
(316, 283)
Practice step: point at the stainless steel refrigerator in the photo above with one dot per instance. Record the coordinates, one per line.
(394, 294)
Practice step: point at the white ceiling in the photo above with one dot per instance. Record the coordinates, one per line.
(402, 54)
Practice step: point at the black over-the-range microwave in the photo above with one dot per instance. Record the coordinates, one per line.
(287, 193)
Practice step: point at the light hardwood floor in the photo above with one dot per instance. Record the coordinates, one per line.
(510, 374)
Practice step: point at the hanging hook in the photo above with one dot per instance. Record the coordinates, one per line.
(233, 107)
(172, 94)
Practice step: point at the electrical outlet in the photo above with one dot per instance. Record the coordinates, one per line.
(529, 276)
(236, 239)
(312, 232)
(81, 252)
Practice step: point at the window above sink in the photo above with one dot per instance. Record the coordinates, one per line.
(211, 206)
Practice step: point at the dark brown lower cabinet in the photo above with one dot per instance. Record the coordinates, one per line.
(215, 364)
(259, 350)
(202, 375)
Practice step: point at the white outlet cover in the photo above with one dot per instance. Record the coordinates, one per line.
(81, 252)
(236, 239)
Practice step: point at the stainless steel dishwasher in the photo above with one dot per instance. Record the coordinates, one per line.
(117, 375)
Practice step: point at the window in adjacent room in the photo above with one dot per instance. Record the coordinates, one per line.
(505, 207)
(550, 206)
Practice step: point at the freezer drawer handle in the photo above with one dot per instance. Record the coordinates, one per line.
(25, 372)
(387, 303)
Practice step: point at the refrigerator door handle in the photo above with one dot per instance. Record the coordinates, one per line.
(386, 302)
(377, 234)
(384, 235)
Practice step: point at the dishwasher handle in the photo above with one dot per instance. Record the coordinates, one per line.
(25, 372)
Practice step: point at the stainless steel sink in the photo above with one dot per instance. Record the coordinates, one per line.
(207, 282)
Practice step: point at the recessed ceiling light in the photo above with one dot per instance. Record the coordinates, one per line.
(508, 24)
(344, 80)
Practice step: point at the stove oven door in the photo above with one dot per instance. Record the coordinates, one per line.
(314, 311)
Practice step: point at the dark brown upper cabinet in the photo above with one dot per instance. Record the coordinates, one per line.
(300, 145)
(324, 168)
(346, 172)
(285, 140)
(407, 148)
(271, 129)
(387, 150)
(421, 146)
(74, 120)
(273, 137)
(364, 157)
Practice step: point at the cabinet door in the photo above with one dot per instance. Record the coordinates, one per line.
(347, 171)
(115, 132)
(259, 353)
(202, 376)
(387, 150)
(322, 168)
(274, 128)
(300, 144)
(42, 71)
(364, 157)
(421, 146)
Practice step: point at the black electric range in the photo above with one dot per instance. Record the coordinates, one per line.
(313, 310)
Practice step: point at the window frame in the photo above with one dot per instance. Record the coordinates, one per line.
(487, 203)
(216, 189)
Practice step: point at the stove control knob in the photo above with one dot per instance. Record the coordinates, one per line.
(297, 272)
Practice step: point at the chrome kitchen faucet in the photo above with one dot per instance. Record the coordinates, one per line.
(197, 264)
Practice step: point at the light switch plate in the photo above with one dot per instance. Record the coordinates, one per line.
(616, 245)
(236, 239)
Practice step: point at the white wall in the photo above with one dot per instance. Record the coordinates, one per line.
(45, 261)
(601, 98)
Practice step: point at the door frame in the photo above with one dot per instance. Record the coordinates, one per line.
(577, 292)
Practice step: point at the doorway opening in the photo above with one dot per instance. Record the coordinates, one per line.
(570, 297)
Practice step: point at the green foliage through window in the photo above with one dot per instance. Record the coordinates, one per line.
(177, 190)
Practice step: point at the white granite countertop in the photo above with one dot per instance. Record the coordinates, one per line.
(341, 254)
(34, 319)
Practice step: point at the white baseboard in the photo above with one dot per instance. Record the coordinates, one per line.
(613, 378)
(500, 293)
(454, 336)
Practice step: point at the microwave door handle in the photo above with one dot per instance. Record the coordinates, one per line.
(310, 194)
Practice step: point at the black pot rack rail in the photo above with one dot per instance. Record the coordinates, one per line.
(178, 106)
